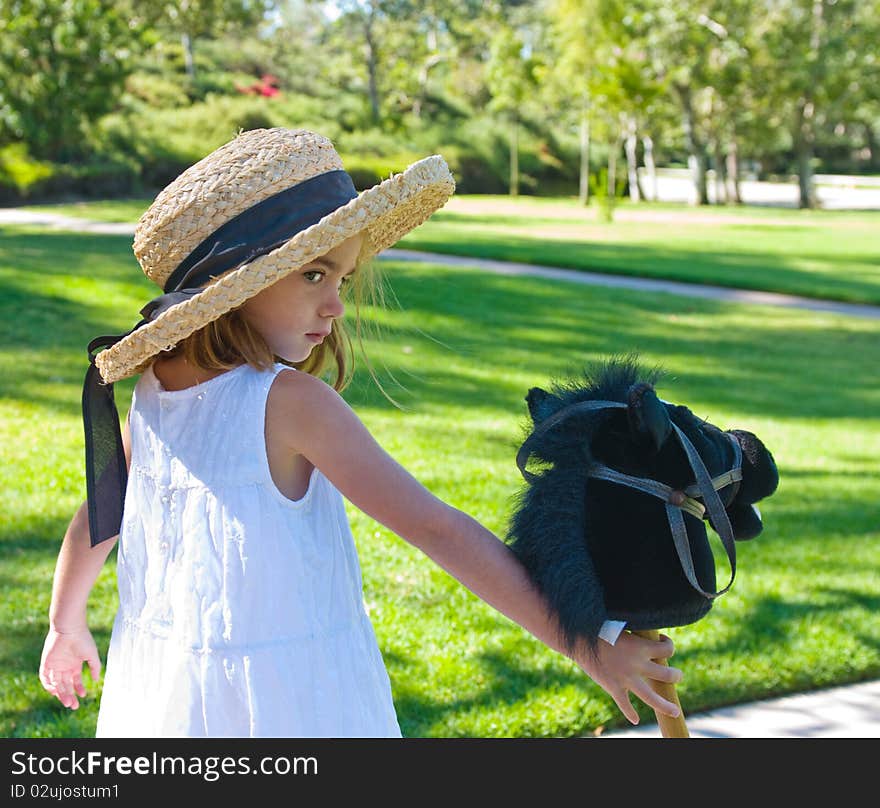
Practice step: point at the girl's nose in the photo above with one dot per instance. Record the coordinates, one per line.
(333, 305)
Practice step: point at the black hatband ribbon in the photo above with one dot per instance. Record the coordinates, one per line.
(256, 231)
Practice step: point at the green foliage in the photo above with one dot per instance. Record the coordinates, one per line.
(134, 83)
(509, 74)
(198, 18)
(63, 65)
(23, 178)
(606, 202)
(164, 142)
(19, 172)
(367, 171)
(154, 90)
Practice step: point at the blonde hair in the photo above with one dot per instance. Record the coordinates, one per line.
(228, 341)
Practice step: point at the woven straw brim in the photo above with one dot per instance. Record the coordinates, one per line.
(383, 214)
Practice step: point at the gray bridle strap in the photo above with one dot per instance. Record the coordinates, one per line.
(676, 501)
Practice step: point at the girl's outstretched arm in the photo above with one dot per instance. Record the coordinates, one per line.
(318, 424)
(69, 642)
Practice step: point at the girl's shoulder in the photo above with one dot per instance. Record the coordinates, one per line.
(294, 398)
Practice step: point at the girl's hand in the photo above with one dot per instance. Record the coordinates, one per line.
(62, 661)
(626, 666)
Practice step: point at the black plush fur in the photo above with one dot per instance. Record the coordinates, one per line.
(600, 550)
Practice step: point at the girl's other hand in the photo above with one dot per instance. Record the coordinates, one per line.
(61, 664)
(626, 667)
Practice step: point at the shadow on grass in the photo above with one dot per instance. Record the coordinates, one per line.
(547, 329)
(508, 683)
(771, 619)
(536, 327)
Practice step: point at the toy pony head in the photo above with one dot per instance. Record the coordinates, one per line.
(614, 525)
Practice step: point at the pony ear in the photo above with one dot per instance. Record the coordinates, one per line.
(538, 401)
(648, 417)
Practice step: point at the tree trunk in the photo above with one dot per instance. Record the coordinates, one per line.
(188, 58)
(720, 175)
(371, 68)
(648, 144)
(424, 74)
(805, 175)
(871, 145)
(632, 161)
(806, 111)
(733, 191)
(804, 147)
(612, 169)
(584, 190)
(696, 155)
(417, 101)
(514, 156)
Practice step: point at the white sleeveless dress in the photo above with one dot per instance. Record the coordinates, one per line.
(240, 611)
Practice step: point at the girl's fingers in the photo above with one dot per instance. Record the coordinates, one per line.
(654, 699)
(662, 648)
(61, 685)
(70, 700)
(65, 690)
(621, 699)
(663, 673)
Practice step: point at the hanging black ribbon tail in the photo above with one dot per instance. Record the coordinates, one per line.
(106, 469)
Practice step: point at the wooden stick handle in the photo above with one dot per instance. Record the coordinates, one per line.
(669, 727)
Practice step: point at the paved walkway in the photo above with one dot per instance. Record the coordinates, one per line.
(24, 216)
(641, 284)
(852, 711)
(61, 222)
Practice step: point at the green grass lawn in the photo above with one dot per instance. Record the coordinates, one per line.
(824, 254)
(805, 609)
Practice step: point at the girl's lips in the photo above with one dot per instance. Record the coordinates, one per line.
(316, 338)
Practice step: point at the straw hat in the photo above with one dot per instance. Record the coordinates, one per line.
(254, 169)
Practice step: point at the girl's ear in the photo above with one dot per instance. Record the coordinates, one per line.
(538, 401)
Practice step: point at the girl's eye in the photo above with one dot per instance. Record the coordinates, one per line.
(315, 275)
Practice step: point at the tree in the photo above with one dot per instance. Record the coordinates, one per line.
(603, 60)
(578, 40)
(63, 65)
(401, 43)
(820, 56)
(191, 20)
(510, 76)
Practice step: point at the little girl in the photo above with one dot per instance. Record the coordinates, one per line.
(240, 599)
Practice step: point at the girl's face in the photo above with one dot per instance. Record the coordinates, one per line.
(295, 314)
